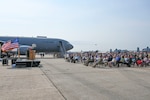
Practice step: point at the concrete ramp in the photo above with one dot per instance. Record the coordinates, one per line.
(26, 84)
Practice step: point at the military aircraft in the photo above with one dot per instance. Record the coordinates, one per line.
(41, 44)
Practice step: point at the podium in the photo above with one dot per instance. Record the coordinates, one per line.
(31, 54)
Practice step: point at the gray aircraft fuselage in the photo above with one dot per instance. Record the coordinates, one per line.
(42, 44)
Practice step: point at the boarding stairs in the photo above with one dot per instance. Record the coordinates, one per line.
(62, 49)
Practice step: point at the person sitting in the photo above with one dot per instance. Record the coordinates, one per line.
(122, 60)
(89, 60)
(98, 61)
(105, 60)
(146, 61)
(127, 61)
(117, 60)
(139, 62)
(112, 62)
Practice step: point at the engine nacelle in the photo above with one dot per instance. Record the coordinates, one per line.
(23, 49)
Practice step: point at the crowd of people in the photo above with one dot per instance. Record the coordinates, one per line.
(110, 59)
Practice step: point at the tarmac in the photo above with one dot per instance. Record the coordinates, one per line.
(26, 84)
(61, 80)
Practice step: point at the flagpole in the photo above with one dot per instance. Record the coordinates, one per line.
(0, 50)
(19, 52)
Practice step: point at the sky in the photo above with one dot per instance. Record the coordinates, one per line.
(87, 24)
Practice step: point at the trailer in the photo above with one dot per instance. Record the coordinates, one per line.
(27, 63)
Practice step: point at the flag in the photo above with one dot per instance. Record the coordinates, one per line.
(9, 45)
(15, 43)
(6, 45)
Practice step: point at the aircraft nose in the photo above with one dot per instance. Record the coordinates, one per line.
(70, 46)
